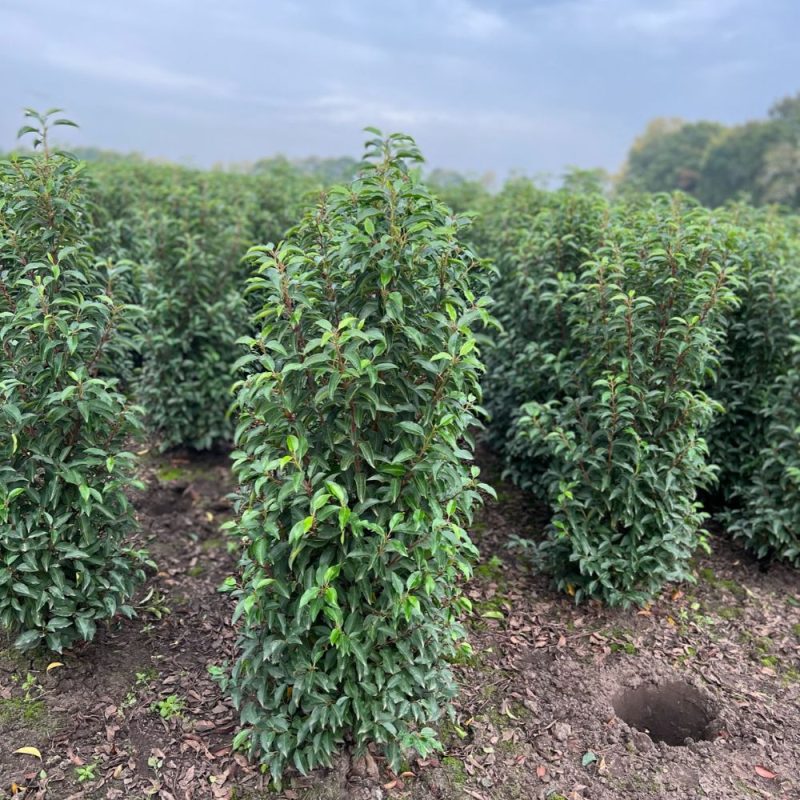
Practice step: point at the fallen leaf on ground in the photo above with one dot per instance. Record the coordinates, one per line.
(765, 773)
(29, 751)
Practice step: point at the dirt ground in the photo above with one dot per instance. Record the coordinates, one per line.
(555, 703)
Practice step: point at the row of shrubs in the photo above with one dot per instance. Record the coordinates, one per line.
(646, 353)
(185, 232)
(648, 358)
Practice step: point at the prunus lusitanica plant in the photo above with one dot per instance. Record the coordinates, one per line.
(353, 457)
(187, 230)
(193, 319)
(618, 327)
(767, 520)
(539, 240)
(757, 441)
(64, 514)
(758, 344)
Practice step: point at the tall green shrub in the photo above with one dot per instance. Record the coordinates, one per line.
(614, 430)
(539, 241)
(756, 441)
(353, 459)
(767, 517)
(193, 319)
(758, 344)
(64, 469)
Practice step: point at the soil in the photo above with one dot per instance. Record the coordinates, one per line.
(695, 696)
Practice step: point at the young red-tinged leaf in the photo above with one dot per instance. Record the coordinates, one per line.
(765, 773)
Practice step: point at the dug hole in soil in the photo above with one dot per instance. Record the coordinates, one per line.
(675, 713)
(694, 696)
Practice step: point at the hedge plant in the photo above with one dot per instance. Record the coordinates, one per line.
(193, 319)
(755, 441)
(539, 241)
(621, 349)
(758, 344)
(64, 469)
(354, 449)
(186, 231)
(767, 519)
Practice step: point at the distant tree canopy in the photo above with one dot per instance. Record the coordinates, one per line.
(670, 155)
(717, 163)
(326, 171)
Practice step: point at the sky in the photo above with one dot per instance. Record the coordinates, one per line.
(501, 86)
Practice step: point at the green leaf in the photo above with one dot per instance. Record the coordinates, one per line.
(27, 640)
(308, 595)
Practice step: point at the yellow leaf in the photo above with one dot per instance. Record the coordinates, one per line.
(570, 590)
(54, 665)
(29, 751)
(671, 622)
(209, 516)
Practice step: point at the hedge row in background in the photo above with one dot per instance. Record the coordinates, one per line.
(757, 441)
(187, 231)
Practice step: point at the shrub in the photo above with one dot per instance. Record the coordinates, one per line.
(622, 349)
(193, 319)
(63, 467)
(757, 346)
(767, 517)
(353, 450)
(756, 440)
(540, 241)
(187, 232)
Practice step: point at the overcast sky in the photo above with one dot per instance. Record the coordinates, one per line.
(483, 86)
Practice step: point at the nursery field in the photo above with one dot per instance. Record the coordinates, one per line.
(390, 489)
(137, 712)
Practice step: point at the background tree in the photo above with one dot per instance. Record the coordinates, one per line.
(758, 160)
(669, 155)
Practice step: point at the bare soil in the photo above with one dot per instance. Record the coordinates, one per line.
(695, 696)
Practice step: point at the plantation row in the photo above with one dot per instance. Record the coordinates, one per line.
(641, 356)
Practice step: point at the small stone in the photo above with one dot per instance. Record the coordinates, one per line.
(561, 731)
(642, 742)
